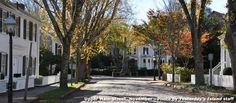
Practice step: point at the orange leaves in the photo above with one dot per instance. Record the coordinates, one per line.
(186, 43)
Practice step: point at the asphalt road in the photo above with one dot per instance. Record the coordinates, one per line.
(103, 89)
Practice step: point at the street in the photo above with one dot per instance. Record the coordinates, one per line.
(128, 89)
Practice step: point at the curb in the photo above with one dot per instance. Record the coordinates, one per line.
(192, 90)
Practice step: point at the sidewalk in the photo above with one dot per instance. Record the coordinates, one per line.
(32, 94)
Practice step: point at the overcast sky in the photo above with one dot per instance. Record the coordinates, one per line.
(141, 7)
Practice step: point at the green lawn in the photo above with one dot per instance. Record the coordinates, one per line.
(53, 96)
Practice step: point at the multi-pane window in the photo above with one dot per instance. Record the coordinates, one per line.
(4, 16)
(24, 30)
(3, 63)
(145, 51)
(18, 26)
(15, 31)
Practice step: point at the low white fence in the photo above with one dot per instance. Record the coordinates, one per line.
(177, 78)
(3, 86)
(18, 83)
(47, 80)
(217, 80)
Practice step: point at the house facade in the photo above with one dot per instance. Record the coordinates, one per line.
(26, 32)
(146, 55)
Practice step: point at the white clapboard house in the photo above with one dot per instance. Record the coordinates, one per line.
(145, 56)
(26, 32)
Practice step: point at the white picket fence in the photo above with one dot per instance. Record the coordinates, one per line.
(177, 78)
(47, 80)
(18, 83)
(217, 80)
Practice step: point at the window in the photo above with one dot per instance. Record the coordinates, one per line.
(24, 32)
(14, 17)
(4, 16)
(30, 31)
(3, 63)
(1, 20)
(148, 60)
(35, 30)
(144, 60)
(145, 51)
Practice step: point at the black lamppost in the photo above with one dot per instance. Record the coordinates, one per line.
(10, 25)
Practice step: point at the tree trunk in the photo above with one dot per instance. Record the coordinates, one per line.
(230, 38)
(80, 67)
(173, 69)
(198, 62)
(64, 66)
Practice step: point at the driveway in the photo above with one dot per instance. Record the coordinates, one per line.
(129, 90)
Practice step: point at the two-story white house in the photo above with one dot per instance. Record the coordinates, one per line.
(26, 32)
(145, 56)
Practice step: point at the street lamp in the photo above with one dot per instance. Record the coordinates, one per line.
(10, 25)
(210, 58)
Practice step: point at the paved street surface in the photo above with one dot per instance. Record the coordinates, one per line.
(32, 94)
(127, 89)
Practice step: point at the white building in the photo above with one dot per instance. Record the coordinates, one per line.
(145, 56)
(224, 58)
(26, 32)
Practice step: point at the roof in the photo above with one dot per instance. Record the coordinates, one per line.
(13, 6)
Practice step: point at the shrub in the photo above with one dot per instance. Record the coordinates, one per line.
(227, 71)
(185, 73)
(166, 68)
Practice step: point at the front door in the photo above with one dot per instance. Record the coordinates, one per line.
(16, 67)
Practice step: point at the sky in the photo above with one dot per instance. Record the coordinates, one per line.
(141, 7)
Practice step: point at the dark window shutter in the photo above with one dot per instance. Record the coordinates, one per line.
(36, 28)
(25, 24)
(35, 65)
(56, 46)
(1, 20)
(23, 66)
(30, 31)
(6, 64)
(19, 28)
(7, 14)
(0, 62)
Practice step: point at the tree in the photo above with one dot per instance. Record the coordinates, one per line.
(96, 17)
(195, 25)
(64, 16)
(230, 38)
(165, 27)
